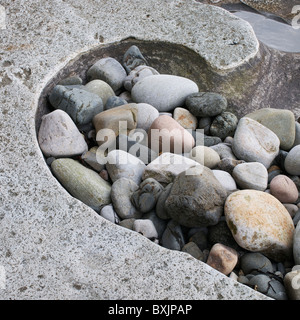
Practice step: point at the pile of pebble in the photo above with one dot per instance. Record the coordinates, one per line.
(229, 197)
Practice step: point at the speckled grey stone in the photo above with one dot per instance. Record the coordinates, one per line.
(206, 104)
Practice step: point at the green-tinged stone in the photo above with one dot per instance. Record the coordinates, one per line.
(82, 183)
(281, 122)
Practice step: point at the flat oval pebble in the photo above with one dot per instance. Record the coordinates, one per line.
(251, 175)
(59, 137)
(164, 92)
(185, 118)
(260, 223)
(205, 156)
(101, 89)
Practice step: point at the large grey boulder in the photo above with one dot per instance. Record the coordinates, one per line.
(196, 198)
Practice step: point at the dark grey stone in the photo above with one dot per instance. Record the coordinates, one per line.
(196, 198)
(270, 287)
(80, 105)
(133, 58)
(161, 209)
(172, 237)
(206, 104)
(224, 125)
(200, 239)
(220, 233)
(114, 101)
(255, 262)
(145, 198)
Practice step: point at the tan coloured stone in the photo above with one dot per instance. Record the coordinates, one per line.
(260, 223)
(101, 89)
(116, 119)
(185, 118)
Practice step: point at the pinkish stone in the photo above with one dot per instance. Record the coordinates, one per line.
(222, 258)
(167, 135)
(284, 189)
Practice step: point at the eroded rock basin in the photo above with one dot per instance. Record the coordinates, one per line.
(184, 63)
